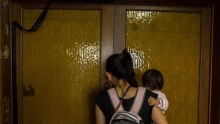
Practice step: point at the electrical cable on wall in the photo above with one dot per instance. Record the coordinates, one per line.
(34, 28)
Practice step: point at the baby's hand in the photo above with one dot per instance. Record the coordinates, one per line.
(152, 101)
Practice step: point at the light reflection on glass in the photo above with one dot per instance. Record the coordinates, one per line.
(87, 53)
(140, 58)
(141, 16)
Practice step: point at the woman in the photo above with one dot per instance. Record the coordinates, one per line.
(119, 70)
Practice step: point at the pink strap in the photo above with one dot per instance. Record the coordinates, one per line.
(138, 100)
(136, 104)
(114, 99)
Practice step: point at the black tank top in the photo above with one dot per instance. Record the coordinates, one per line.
(104, 103)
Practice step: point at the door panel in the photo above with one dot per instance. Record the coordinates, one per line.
(61, 66)
(169, 42)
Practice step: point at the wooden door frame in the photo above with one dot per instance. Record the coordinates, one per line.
(215, 69)
(6, 101)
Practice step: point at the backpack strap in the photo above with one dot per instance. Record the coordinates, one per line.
(114, 99)
(138, 100)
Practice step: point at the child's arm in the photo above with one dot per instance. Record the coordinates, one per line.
(163, 105)
(161, 102)
(152, 101)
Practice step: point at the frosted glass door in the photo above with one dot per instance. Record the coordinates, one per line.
(169, 42)
(61, 67)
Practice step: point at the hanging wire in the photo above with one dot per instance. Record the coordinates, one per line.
(34, 28)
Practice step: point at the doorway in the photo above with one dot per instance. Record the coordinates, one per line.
(61, 66)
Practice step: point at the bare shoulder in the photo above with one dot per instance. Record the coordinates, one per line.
(158, 117)
(131, 93)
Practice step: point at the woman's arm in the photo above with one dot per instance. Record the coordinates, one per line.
(158, 117)
(100, 118)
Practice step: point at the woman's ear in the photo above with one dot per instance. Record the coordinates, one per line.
(109, 75)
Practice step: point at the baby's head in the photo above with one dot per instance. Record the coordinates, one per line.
(152, 79)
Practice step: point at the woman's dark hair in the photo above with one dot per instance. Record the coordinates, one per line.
(121, 66)
(153, 79)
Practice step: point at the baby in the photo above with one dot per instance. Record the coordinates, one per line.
(152, 79)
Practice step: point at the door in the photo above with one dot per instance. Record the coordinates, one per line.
(176, 41)
(59, 72)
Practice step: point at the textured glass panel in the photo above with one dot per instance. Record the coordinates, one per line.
(169, 42)
(61, 62)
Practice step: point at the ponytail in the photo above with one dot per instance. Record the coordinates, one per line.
(121, 66)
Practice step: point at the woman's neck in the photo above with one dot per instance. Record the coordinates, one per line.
(121, 87)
